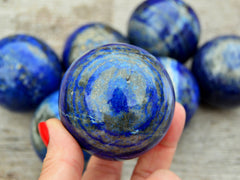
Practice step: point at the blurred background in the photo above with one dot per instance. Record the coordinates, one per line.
(209, 147)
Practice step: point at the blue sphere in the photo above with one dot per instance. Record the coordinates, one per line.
(165, 28)
(29, 71)
(88, 37)
(46, 110)
(185, 85)
(216, 67)
(117, 101)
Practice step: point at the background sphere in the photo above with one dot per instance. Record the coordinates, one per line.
(165, 28)
(117, 101)
(185, 86)
(88, 37)
(29, 71)
(46, 110)
(216, 67)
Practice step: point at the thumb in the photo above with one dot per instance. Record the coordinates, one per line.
(64, 158)
(163, 174)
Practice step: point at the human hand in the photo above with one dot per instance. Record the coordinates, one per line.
(64, 158)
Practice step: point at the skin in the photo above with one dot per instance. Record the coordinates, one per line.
(64, 159)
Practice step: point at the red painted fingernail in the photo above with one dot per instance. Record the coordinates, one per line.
(43, 131)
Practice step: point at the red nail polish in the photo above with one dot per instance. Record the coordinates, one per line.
(43, 131)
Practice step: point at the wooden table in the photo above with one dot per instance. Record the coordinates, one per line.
(209, 148)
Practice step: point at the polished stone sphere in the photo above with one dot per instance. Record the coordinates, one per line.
(165, 28)
(185, 85)
(88, 37)
(216, 67)
(117, 101)
(29, 71)
(46, 110)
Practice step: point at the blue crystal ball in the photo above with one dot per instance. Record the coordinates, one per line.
(117, 101)
(216, 67)
(46, 110)
(185, 85)
(88, 37)
(165, 28)
(29, 71)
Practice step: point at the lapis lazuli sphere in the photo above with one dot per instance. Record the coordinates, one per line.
(46, 110)
(88, 37)
(165, 28)
(216, 67)
(185, 85)
(29, 71)
(117, 101)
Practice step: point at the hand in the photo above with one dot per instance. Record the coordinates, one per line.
(64, 159)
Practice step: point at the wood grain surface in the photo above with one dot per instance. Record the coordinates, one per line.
(209, 148)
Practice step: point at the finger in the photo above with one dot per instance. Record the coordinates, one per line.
(103, 169)
(163, 174)
(64, 158)
(160, 157)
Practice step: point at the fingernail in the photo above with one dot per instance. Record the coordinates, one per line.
(43, 131)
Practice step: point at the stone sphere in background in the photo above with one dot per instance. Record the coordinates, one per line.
(88, 37)
(165, 28)
(29, 71)
(185, 85)
(216, 67)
